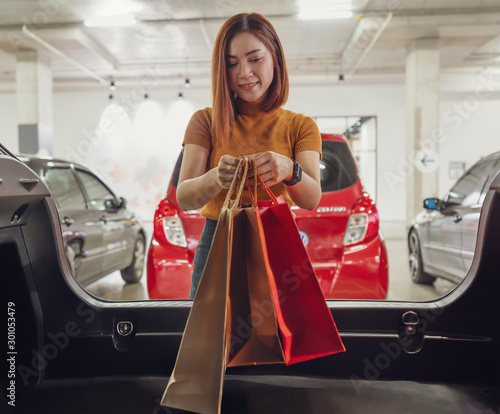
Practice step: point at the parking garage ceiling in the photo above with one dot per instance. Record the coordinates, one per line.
(174, 38)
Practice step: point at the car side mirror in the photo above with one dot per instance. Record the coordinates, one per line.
(432, 203)
(115, 204)
(122, 203)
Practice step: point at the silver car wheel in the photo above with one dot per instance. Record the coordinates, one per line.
(414, 252)
(139, 255)
(133, 273)
(415, 261)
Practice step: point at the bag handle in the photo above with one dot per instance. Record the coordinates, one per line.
(239, 176)
(258, 178)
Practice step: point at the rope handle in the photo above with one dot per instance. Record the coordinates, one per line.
(269, 192)
(241, 178)
(235, 180)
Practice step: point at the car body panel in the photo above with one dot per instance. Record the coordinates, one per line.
(445, 242)
(448, 234)
(359, 271)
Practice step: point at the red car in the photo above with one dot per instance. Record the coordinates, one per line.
(341, 235)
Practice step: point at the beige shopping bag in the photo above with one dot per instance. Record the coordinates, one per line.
(232, 320)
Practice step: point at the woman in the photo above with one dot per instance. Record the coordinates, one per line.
(249, 86)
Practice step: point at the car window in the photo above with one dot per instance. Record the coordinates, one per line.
(467, 191)
(177, 170)
(97, 192)
(64, 187)
(337, 167)
(495, 170)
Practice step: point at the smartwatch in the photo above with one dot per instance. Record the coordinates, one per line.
(297, 174)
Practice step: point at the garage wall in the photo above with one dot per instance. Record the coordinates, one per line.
(147, 158)
(470, 134)
(134, 144)
(8, 124)
(386, 101)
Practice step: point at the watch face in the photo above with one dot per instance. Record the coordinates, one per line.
(297, 171)
(297, 174)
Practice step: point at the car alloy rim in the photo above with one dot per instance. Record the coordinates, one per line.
(413, 256)
(139, 256)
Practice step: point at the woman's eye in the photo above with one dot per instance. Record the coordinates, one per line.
(256, 60)
(231, 64)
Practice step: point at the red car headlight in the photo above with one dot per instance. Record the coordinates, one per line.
(363, 222)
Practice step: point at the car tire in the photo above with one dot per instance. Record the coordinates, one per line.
(133, 273)
(415, 261)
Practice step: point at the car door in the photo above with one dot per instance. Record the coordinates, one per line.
(117, 228)
(80, 225)
(472, 213)
(459, 213)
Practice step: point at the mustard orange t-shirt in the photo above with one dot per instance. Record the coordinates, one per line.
(254, 131)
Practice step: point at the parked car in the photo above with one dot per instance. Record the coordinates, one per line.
(100, 234)
(442, 238)
(341, 235)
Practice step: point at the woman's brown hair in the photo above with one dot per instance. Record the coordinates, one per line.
(223, 100)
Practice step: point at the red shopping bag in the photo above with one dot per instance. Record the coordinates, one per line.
(305, 321)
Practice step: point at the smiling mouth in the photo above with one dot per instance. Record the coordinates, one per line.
(248, 85)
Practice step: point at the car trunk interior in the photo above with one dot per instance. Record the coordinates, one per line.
(72, 359)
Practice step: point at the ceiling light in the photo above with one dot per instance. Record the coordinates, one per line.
(124, 19)
(341, 77)
(112, 86)
(324, 10)
(188, 83)
(115, 7)
(180, 96)
(324, 15)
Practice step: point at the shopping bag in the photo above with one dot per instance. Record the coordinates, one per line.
(232, 321)
(305, 321)
(252, 330)
(196, 380)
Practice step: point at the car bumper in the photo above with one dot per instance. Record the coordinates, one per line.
(360, 273)
(169, 271)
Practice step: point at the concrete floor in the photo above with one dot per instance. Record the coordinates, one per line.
(401, 288)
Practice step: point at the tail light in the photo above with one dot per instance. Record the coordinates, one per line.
(363, 222)
(168, 225)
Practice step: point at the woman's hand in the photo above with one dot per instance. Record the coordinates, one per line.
(272, 167)
(225, 170)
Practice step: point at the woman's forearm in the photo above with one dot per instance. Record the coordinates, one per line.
(307, 193)
(196, 192)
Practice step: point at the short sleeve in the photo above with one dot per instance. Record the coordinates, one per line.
(308, 135)
(198, 131)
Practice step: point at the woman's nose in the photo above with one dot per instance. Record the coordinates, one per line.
(245, 71)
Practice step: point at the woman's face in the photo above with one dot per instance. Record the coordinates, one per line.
(249, 66)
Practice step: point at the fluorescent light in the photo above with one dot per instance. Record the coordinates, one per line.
(324, 14)
(324, 10)
(117, 7)
(111, 20)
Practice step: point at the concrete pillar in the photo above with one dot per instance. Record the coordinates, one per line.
(34, 102)
(422, 112)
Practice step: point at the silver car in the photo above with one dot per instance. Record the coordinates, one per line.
(442, 238)
(100, 234)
